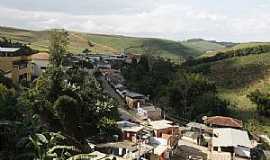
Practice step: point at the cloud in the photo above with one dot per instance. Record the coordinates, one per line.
(172, 19)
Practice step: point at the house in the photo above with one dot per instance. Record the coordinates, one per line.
(149, 112)
(120, 89)
(130, 131)
(165, 130)
(132, 57)
(115, 77)
(165, 138)
(40, 62)
(161, 148)
(161, 127)
(220, 121)
(103, 65)
(231, 140)
(116, 61)
(126, 149)
(197, 133)
(16, 64)
(194, 126)
(161, 152)
(134, 100)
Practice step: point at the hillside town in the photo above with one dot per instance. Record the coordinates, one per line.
(146, 131)
(134, 80)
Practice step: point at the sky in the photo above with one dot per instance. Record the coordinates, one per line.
(222, 20)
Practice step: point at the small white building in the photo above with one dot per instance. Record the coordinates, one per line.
(149, 112)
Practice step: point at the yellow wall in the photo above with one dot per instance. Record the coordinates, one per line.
(6, 64)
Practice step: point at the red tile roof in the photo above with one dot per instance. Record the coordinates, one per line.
(224, 121)
(40, 56)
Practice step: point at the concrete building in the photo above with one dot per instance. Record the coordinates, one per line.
(149, 112)
(15, 64)
(130, 131)
(166, 130)
(40, 62)
(196, 133)
(134, 100)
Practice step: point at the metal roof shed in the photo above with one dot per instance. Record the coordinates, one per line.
(229, 137)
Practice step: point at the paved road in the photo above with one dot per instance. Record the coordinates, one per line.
(125, 114)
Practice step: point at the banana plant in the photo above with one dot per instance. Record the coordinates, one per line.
(47, 146)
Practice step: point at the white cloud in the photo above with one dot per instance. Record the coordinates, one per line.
(174, 19)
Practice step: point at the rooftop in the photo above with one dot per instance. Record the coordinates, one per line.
(5, 49)
(134, 95)
(160, 149)
(161, 124)
(124, 144)
(132, 147)
(150, 108)
(129, 127)
(40, 56)
(224, 121)
(198, 126)
(229, 137)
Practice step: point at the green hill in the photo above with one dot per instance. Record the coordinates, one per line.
(236, 77)
(203, 46)
(234, 47)
(102, 43)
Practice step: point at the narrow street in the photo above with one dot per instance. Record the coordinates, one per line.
(125, 114)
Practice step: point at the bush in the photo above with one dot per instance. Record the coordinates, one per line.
(262, 100)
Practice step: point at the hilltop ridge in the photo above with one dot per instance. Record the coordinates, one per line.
(103, 43)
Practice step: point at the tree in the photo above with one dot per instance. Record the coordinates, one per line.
(70, 100)
(86, 50)
(147, 78)
(6, 81)
(262, 100)
(50, 145)
(191, 96)
(58, 46)
(108, 127)
(8, 104)
(67, 110)
(90, 44)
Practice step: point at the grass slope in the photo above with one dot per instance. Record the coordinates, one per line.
(102, 43)
(236, 46)
(236, 78)
(203, 45)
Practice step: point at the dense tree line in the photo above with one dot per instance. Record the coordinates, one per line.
(149, 75)
(183, 94)
(229, 54)
(192, 96)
